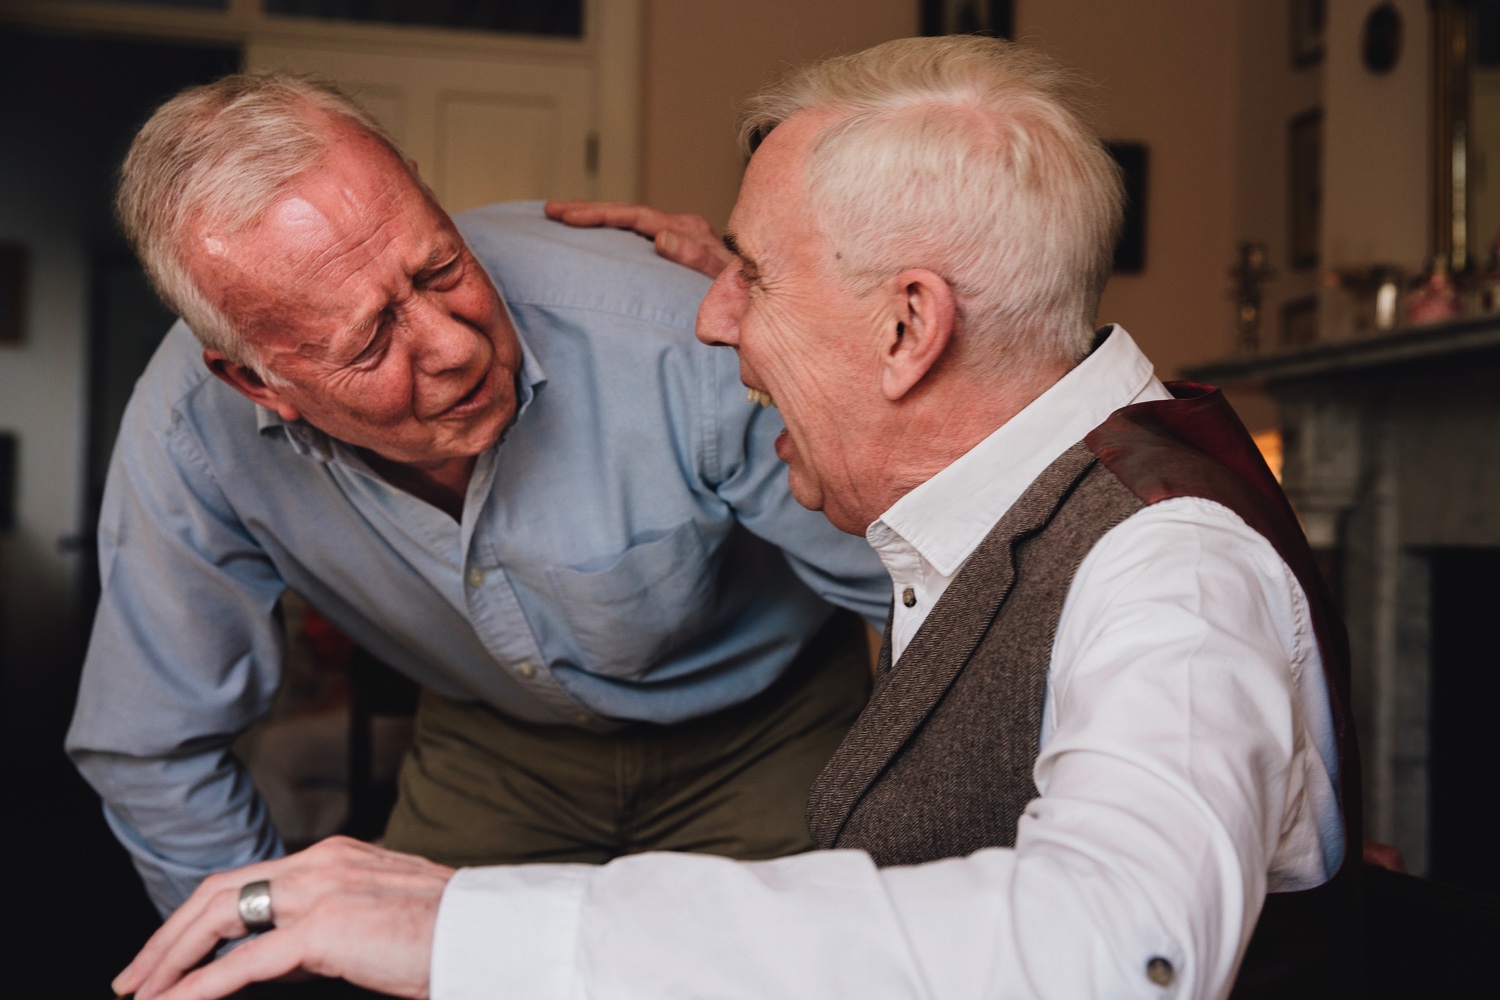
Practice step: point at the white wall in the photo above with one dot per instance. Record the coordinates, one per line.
(1270, 92)
(1375, 172)
(702, 58)
(1167, 71)
(1208, 86)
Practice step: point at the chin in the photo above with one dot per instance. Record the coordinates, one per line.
(476, 442)
(491, 424)
(812, 496)
(805, 493)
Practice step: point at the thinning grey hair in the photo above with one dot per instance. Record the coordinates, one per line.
(971, 157)
(221, 154)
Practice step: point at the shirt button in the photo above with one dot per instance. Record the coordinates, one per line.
(909, 597)
(1160, 971)
(476, 577)
(527, 669)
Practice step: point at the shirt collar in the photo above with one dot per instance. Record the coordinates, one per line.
(947, 517)
(308, 441)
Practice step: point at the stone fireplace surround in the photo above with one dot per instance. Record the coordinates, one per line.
(1392, 460)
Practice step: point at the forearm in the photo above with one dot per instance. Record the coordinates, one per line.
(185, 653)
(1045, 923)
(181, 819)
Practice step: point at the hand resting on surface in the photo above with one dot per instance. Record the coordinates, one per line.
(342, 908)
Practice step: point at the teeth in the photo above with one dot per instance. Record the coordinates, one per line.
(759, 396)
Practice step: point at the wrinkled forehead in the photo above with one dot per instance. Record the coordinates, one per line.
(772, 224)
(237, 200)
(327, 256)
(350, 203)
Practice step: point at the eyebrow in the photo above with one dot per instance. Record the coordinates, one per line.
(733, 246)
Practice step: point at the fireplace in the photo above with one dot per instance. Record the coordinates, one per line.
(1392, 458)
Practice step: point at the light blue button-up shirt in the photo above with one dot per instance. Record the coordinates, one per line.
(629, 551)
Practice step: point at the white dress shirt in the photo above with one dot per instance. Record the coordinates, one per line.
(1187, 766)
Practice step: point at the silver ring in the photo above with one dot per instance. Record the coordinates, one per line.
(255, 907)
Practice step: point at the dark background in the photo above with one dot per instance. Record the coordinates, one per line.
(69, 110)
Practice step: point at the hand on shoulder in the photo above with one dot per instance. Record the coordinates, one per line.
(687, 239)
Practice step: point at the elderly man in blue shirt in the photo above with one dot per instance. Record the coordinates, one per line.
(493, 453)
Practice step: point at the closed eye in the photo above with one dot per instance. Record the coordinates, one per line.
(375, 348)
(749, 273)
(441, 277)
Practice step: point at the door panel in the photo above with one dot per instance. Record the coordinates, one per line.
(491, 149)
(386, 103)
(481, 130)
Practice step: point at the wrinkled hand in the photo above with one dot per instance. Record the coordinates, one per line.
(687, 239)
(343, 908)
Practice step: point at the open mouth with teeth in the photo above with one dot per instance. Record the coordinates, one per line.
(759, 396)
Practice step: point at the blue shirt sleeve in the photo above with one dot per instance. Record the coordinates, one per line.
(748, 475)
(186, 652)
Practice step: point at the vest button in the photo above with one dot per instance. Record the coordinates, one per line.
(909, 597)
(1160, 971)
(527, 669)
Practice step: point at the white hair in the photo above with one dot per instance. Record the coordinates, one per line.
(221, 154)
(970, 157)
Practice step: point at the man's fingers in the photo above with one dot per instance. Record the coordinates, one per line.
(706, 257)
(590, 213)
(616, 214)
(133, 975)
(270, 956)
(341, 907)
(220, 920)
(195, 911)
(686, 239)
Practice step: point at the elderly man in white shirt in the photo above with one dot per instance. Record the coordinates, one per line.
(1107, 721)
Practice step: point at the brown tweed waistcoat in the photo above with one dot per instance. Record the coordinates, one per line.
(939, 763)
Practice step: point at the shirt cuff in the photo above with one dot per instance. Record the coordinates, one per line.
(509, 931)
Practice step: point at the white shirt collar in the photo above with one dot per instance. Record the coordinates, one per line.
(946, 518)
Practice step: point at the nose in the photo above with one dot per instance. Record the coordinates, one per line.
(719, 315)
(442, 342)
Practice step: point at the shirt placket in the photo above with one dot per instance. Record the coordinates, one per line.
(495, 612)
(905, 565)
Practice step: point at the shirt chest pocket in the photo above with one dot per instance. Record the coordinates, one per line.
(630, 612)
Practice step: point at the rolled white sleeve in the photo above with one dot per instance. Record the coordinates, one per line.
(1183, 765)
(509, 931)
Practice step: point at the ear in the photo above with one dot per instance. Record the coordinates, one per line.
(921, 317)
(248, 383)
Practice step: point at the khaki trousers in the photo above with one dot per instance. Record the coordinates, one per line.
(478, 787)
